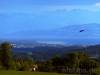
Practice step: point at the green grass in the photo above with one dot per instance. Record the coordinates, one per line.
(98, 70)
(28, 73)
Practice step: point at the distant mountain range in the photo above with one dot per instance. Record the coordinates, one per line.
(71, 34)
(46, 52)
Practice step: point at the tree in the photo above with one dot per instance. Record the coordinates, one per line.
(6, 55)
(56, 61)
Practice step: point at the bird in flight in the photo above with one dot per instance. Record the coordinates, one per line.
(82, 30)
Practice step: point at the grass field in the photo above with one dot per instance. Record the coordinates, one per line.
(98, 71)
(28, 73)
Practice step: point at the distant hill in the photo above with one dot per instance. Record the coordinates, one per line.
(47, 52)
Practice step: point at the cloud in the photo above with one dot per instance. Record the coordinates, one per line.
(97, 4)
(67, 8)
(37, 9)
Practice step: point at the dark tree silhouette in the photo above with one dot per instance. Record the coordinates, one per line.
(6, 55)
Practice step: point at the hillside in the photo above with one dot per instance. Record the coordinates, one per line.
(47, 52)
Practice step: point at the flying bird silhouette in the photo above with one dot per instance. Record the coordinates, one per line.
(82, 30)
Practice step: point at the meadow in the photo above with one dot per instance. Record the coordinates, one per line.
(29, 73)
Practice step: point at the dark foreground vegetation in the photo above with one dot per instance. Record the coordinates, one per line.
(71, 63)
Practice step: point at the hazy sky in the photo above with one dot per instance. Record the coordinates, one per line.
(16, 15)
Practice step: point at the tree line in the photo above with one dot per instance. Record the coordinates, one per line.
(74, 63)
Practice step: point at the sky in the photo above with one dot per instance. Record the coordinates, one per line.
(19, 15)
